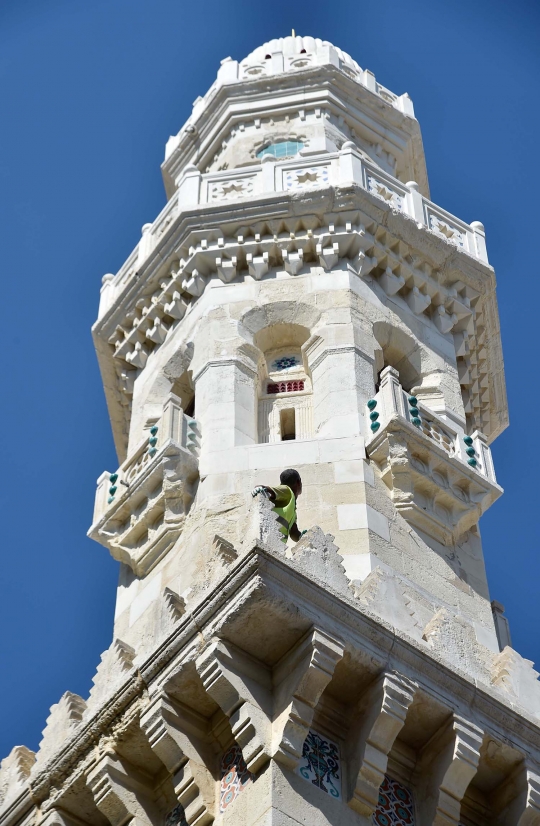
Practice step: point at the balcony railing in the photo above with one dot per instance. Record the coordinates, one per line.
(174, 426)
(440, 479)
(291, 175)
(140, 508)
(392, 401)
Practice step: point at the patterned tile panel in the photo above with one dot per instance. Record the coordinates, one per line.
(320, 764)
(234, 777)
(285, 362)
(396, 805)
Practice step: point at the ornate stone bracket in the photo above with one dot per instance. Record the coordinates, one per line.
(242, 688)
(448, 765)
(531, 813)
(123, 795)
(385, 708)
(181, 739)
(252, 696)
(301, 677)
(524, 807)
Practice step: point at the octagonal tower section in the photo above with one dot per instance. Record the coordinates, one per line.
(301, 302)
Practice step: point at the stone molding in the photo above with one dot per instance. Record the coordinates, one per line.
(226, 362)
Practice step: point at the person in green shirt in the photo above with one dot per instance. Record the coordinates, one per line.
(284, 498)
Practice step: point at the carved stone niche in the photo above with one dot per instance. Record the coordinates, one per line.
(148, 516)
(435, 492)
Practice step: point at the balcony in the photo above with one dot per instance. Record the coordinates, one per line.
(439, 479)
(289, 175)
(141, 508)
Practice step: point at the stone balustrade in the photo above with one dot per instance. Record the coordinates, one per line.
(440, 479)
(291, 175)
(393, 401)
(140, 508)
(326, 169)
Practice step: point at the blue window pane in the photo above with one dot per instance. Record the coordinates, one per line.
(284, 149)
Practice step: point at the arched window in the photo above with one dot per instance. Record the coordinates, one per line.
(283, 149)
(285, 397)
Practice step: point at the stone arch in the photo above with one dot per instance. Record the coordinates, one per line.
(295, 313)
(175, 377)
(399, 350)
(279, 332)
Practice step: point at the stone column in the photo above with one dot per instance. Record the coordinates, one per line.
(343, 381)
(226, 403)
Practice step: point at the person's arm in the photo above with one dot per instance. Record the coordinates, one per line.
(269, 492)
(295, 532)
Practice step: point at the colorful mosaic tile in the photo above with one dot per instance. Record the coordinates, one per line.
(395, 806)
(177, 817)
(285, 362)
(234, 777)
(320, 763)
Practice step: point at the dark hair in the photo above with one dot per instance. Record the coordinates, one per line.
(289, 477)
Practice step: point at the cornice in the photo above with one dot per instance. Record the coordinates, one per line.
(259, 574)
(323, 207)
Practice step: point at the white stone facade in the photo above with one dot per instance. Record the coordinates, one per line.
(300, 302)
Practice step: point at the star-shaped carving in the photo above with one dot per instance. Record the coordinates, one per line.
(384, 192)
(307, 177)
(232, 187)
(445, 230)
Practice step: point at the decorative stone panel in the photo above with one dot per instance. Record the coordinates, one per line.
(306, 176)
(388, 193)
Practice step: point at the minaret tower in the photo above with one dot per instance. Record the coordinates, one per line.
(300, 302)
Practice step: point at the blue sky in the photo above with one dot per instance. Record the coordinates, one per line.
(89, 93)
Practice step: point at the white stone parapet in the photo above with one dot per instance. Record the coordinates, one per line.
(392, 400)
(440, 479)
(316, 171)
(140, 509)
